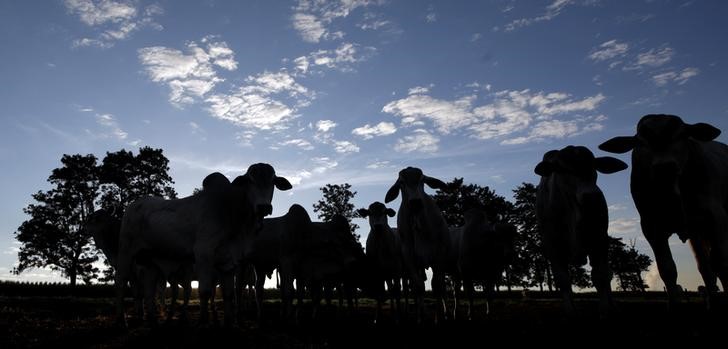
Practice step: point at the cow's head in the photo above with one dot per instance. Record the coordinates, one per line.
(578, 169)
(411, 183)
(377, 214)
(259, 182)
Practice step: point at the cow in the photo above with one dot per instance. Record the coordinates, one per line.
(268, 249)
(573, 218)
(424, 234)
(482, 250)
(679, 184)
(384, 255)
(327, 254)
(206, 229)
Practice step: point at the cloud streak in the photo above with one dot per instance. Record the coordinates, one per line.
(116, 20)
(539, 115)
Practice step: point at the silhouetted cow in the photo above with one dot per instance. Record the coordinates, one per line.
(573, 218)
(384, 255)
(679, 184)
(207, 228)
(424, 233)
(481, 252)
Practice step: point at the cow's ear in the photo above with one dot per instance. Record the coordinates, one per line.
(392, 193)
(608, 164)
(391, 212)
(435, 183)
(363, 212)
(619, 145)
(544, 168)
(241, 181)
(703, 132)
(282, 183)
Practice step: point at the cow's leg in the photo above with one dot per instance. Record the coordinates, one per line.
(470, 293)
(206, 286)
(602, 279)
(316, 288)
(456, 283)
(259, 289)
(396, 293)
(719, 252)
(239, 291)
(380, 300)
(122, 272)
(666, 266)
(174, 293)
(150, 279)
(438, 291)
(228, 298)
(702, 258)
(187, 293)
(563, 281)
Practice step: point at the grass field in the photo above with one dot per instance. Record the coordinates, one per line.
(88, 322)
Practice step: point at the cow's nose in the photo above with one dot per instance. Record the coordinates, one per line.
(264, 210)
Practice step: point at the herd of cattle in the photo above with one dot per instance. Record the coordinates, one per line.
(219, 236)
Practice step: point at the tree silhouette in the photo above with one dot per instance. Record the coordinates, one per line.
(627, 264)
(54, 236)
(125, 178)
(530, 267)
(336, 202)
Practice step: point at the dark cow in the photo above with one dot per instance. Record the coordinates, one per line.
(481, 252)
(424, 233)
(207, 229)
(573, 218)
(679, 184)
(384, 255)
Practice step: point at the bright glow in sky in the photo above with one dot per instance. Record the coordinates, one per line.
(349, 91)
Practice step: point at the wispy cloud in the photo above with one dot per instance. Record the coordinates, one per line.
(551, 12)
(312, 19)
(651, 59)
(679, 77)
(344, 147)
(431, 16)
(190, 76)
(608, 50)
(379, 164)
(623, 226)
(343, 58)
(112, 127)
(420, 140)
(539, 115)
(298, 142)
(267, 101)
(381, 129)
(117, 20)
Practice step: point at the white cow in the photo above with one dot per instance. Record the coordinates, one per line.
(384, 254)
(424, 233)
(206, 229)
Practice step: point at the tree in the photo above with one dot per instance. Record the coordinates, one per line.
(125, 178)
(54, 236)
(530, 267)
(336, 202)
(458, 197)
(628, 264)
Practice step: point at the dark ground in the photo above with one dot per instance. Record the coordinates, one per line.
(88, 322)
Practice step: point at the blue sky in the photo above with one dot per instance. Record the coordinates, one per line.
(349, 91)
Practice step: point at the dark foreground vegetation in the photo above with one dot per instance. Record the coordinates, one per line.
(80, 322)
